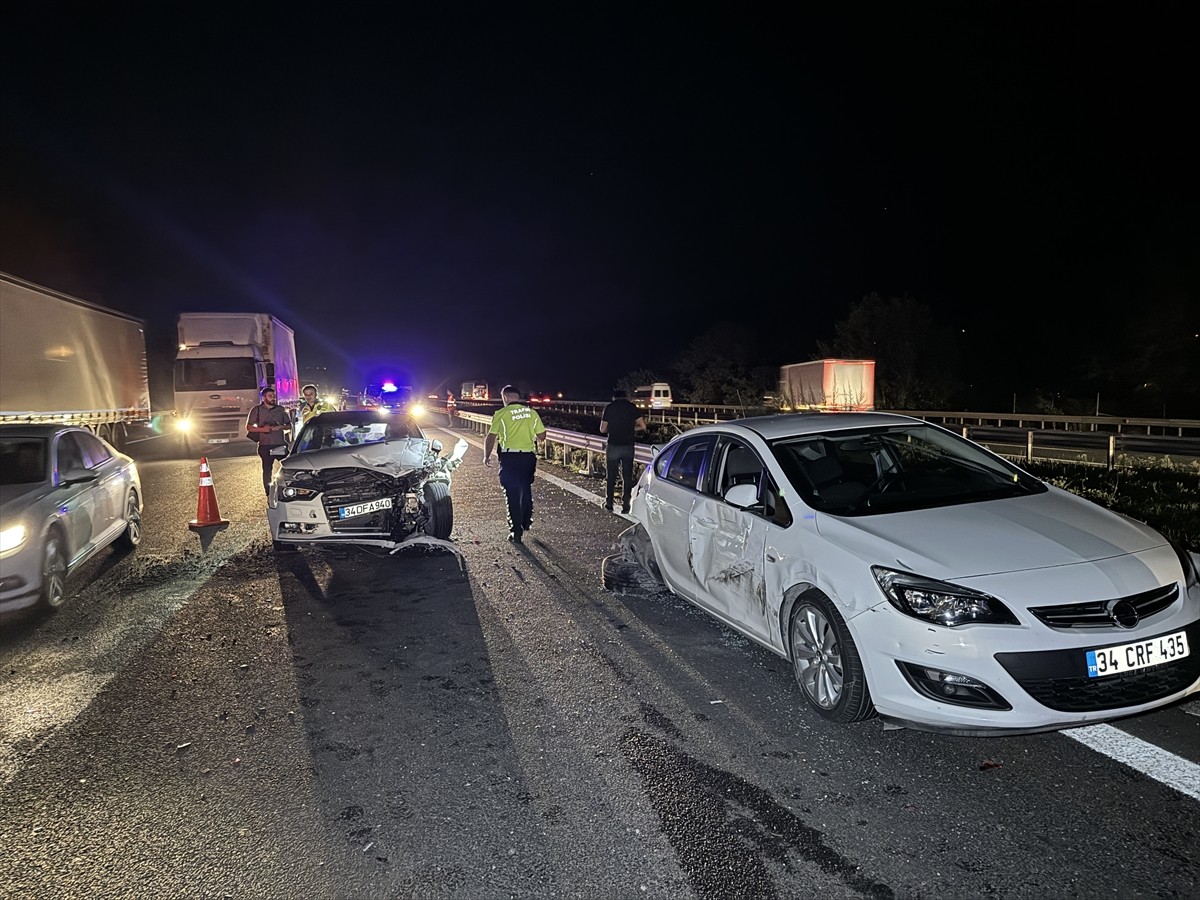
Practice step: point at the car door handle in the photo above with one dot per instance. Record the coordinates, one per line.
(707, 523)
(771, 557)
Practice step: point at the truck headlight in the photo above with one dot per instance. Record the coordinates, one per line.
(184, 425)
(939, 601)
(12, 537)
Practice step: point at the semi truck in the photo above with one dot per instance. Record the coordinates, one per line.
(64, 359)
(828, 385)
(223, 361)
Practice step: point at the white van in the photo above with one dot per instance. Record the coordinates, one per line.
(653, 396)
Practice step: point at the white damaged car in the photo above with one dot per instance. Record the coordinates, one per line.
(366, 478)
(906, 571)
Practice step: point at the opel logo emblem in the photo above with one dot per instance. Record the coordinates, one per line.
(1124, 613)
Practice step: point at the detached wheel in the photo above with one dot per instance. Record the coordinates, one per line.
(826, 662)
(619, 573)
(441, 510)
(54, 571)
(132, 535)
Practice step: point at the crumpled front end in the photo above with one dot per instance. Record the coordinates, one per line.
(369, 496)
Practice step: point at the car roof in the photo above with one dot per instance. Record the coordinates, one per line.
(794, 424)
(35, 429)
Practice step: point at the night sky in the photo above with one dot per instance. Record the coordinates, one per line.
(557, 195)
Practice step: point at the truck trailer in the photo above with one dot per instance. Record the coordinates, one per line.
(828, 385)
(224, 360)
(63, 359)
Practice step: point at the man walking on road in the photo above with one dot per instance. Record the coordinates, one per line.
(271, 423)
(620, 421)
(518, 429)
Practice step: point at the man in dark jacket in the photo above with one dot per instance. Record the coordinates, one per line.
(620, 421)
(272, 423)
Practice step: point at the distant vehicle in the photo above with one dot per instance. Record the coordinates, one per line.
(65, 495)
(364, 478)
(539, 398)
(653, 396)
(906, 571)
(63, 359)
(475, 390)
(224, 359)
(828, 385)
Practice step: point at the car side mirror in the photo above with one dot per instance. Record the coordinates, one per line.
(76, 475)
(435, 445)
(742, 496)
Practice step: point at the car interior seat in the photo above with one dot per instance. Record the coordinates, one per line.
(742, 467)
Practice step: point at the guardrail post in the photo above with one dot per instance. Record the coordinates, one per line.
(1112, 451)
(964, 432)
(1029, 446)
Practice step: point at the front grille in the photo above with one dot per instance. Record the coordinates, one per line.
(1094, 614)
(1058, 678)
(349, 486)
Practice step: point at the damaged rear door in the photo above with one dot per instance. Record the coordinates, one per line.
(728, 544)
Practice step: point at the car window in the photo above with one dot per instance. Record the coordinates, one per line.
(896, 468)
(95, 453)
(70, 454)
(687, 462)
(322, 433)
(741, 464)
(22, 460)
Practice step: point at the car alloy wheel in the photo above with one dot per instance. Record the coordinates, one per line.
(132, 535)
(826, 661)
(54, 572)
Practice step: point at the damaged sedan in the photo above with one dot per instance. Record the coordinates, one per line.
(365, 478)
(908, 572)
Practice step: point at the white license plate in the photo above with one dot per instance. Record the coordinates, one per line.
(1138, 655)
(218, 440)
(361, 509)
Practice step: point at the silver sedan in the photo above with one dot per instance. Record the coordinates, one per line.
(65, 494)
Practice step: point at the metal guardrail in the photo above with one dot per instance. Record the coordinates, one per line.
(642, 453)
(700, 413)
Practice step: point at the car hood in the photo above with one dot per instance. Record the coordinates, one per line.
(15, 497)
(397, 457)
(992, 537)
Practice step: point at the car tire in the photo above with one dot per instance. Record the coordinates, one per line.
(441, 510)
(826, 661)
(132, 535)
(54, 571)
(620, 573)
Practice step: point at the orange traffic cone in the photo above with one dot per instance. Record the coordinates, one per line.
(207, 514)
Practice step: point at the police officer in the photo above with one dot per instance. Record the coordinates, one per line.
(272, 423)
(517, 428)
(311, 406)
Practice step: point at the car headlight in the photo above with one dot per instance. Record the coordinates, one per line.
(12, 537)
(184, 425)
(1190, 576)
(939, 601)
(292, 492)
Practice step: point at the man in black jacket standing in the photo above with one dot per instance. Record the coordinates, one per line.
(620, 421)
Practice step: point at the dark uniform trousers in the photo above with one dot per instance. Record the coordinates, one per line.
(516, 477)
(619, 457)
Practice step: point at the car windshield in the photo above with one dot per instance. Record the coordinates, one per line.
(22, 460)
(904, 467)
(325, 432)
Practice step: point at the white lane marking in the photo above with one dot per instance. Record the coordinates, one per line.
(1161, 765)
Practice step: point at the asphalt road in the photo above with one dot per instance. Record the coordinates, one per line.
(245, 724)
